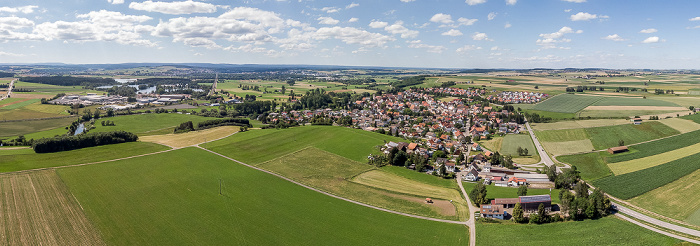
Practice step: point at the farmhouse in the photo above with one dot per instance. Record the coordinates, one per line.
(529, 203)
(637, 121)
(615, 150)
(493, 211)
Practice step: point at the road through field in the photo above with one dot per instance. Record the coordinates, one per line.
(9, 90)
(540, 150)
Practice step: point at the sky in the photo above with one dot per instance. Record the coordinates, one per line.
(517, 34)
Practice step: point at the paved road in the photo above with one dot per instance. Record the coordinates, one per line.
(471, 223)
(9, 89)
(653, 221)
(540, 150)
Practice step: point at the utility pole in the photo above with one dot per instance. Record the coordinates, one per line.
(220, 187)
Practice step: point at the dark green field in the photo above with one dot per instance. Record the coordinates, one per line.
(609, 136)
(566, 103)
(173, 199)
(16, 128)
(656, 147)
(591, 165)
(420, 177)
(605, 231)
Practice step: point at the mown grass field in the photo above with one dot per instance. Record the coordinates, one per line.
(143, 123)
(568, 147)
(38, 209)
(562, 135)
(632, 101)
(605, 231)
(609, 136)
(493, 192)
(654, 160)
(256, 146)
(173, 199)
(633, 184)
(571, 124)
(190, 138)
(51, 90)
(681, 125)
(511, 143)
(10, 163)
(420, 177)
(16, 128)
(626, 113)
(567, 103)
(591, 165)
(334, 174)
(694, 117)
(656, 147)
(679, 199)
(494, 144)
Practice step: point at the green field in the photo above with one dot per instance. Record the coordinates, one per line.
(682, 125)
(571, 124)
(591, 165)
(633, 101)
(16, 128)
(51, 90)
(679, 199)
(693, 117)
(173, 199)
(11, 163)
(654, 160)
(258, 146)
(20, 105)
(420, 177)
(656, 147)
(633, 184)
(568, 147)
(143, 123)
(511, 143)
(493, 192)
(625, 113)
(609, 136)
(567, 103)
(9, 100)
(605, 231)
(562, 135)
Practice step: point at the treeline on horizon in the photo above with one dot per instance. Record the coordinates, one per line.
(88, 82)
(64, 143)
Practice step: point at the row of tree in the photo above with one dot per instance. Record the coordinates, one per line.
(89, 82)
(64, 143)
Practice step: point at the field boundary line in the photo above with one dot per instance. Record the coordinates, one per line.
(332, 195)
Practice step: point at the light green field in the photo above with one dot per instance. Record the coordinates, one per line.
(609, 136)
(17, 128)
(143, 123)
(681, 125)
(512, 142)
(650, 161)
(256, 146)
(333, 174)
(494, 144)
(20, 151)
(679, 199)
(20, 162)
(605, 231)
(632, 101)
(48, 108)
(591, 165)
(54, 89)
(19, 105)
(420, 177)
(562, 135)
(567, 103)
(623, 113)
(567, 147)
(682, 101)
(9, 100)
(571, 124)
(173, 199)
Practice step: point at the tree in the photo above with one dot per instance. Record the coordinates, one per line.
(551, 172)
(283, 90)
(621, 142)
(508, 162)
(442, 171)
(478, 194)
(291, 82)
(581, 189)
(691, 108)
(566, 199)
(522, 190)
(519, 214)
(399, 159)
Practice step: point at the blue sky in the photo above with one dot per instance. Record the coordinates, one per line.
(403, 33)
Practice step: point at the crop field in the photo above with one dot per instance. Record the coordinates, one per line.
(38, 209)
(633, 184)
(8, 101)
(656, 147)
(682, 101)
(190, 138)
(573, 124)
(143, 123)
(567, 147)
(567, 103)
(420, 177)
(609, 136)
(694, 117)
(48, 108)
(334, 174)
(20, 104)
(633, 101)
(562, 135)
(136, 207)
(54, 89)
(512, 142)
(629, 113)
(20, 162)
(654, 160)
(16, 128)
(679, 199)
(493, 192)
(591, 165)
(604, 231)
(494, 144)
(256, 146)
(681, 125)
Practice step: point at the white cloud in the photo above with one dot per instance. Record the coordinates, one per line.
(327, 21)
(453, 33)
(174, 8)
(416, 44)
(511, 2)
(24, 9)
(507, 25)
(378, 24)
(351, 35)
(3, 53)
(398, 28)
(352, 5)
(408, 1)
(495, 48)
(99, 26)
(650, 30)
(330, 9)
(474, 2)
(549, 40)
(575, 1)
(581, 16)
(695, 19)
(115, 1)
(614, 37)
(651, 40)
(442, 18)
(466, 22)
(480, 36)
(567, 10)
(466, 48)
(492, 15)
(353, 19)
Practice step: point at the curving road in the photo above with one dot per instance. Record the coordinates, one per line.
(9, 90)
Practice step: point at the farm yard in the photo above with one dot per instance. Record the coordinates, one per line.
(136, 206)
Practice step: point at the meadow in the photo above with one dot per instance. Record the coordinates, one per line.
(654, 160)
(633, 184)
(144, 123)
(51, 90)
(681, 125)
(656, 147)
(566, 103)
(562, 135)
(511, 142)
(591, 165)
(679, 199)
(420, 177)
(25, 161)
(567, 147)
(17, 128)
(633, 101)
(578, 124)
(604, 231)
(694, 117)
(137, 206)
(609, 136)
